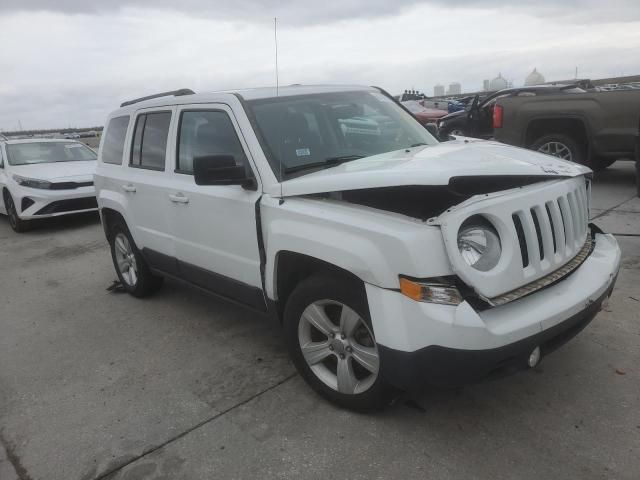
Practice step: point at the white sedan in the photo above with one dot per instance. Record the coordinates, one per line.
(45, 178)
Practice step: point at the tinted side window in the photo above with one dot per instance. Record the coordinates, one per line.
(204, 133)
(150, 140)
(113, 145)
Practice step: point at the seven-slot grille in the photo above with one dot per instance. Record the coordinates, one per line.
(552, 232)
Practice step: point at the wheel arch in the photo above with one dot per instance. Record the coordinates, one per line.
(290, 268)
(574, 126)
(109, 218)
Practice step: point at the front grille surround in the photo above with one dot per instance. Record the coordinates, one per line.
(69, 185)
(557, 225)
(542, 227)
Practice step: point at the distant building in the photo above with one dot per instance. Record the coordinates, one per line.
(438, 91)
(534, 78)
(498, 83)
(454, 89)
(486, 85)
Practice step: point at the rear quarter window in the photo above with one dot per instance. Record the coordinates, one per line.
(113, 145)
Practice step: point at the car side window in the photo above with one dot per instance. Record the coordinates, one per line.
(113, 145)
(150, 140)
(204, 133)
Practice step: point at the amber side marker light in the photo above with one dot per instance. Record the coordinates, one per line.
(430, 292)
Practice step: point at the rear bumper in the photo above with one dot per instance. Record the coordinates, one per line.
(449, 367)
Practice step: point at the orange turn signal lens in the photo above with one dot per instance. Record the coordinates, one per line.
(430, 292)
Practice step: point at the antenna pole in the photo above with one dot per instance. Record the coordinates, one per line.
(275, 41)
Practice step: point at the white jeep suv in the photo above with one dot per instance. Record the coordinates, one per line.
(42, 178)
(392, 260)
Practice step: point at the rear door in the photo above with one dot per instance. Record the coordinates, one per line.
(148, 185)
(216, 238)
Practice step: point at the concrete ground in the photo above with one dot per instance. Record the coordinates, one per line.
(95, 384)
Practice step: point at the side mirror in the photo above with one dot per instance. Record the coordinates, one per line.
(432, 128)
(221, 170)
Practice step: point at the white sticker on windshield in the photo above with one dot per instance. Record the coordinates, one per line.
(303, 152)
(72, 145)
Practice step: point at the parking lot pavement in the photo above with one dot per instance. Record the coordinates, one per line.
(96, 384)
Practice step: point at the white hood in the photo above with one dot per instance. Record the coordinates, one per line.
(431, 165)
(58, 171)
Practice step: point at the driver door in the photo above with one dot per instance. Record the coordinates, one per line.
(216, 238)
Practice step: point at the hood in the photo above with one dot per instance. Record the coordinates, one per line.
(58, 171)
(432, 165)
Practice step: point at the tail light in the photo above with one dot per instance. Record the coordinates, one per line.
(497, 116)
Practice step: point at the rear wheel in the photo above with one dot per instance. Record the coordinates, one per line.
(132, 269)
(562, 146)
(332, 343)
(17, 224)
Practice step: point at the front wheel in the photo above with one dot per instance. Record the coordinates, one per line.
(17, 224)
(332, 343)
(132, 269)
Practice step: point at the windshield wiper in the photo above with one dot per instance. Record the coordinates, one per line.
(326, 163)
(418, 144)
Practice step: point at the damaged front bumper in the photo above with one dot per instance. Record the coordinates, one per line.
(452, 345)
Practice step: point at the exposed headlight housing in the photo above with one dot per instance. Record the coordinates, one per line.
(430, 291)
(32, 182)
(479, 243)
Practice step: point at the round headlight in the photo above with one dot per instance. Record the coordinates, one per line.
(479, 244)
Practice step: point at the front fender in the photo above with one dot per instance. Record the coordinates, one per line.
(374, 245)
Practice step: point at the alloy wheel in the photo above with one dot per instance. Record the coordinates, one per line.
(556, 149)
(338, 346)
(126, 260)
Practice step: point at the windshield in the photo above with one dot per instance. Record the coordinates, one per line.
(308, 132)
(48, 152)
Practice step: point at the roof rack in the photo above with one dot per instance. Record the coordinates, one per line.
(175, 93)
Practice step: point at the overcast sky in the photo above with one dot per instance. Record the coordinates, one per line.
(70, 62)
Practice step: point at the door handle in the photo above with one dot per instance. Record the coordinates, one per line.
(129, 188)
(178, 198)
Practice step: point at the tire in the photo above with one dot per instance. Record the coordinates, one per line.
(446, 135)
(638, 176)
(637, 152)
(17, 224)
(561, 146)
(336, 367)
(132, 269)
(601, 163)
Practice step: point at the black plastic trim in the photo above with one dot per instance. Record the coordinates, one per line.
(69, 205)
(176, 93)
(26, 203)
(220, 285)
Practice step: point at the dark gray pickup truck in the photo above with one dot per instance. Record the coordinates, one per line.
(592, 128)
